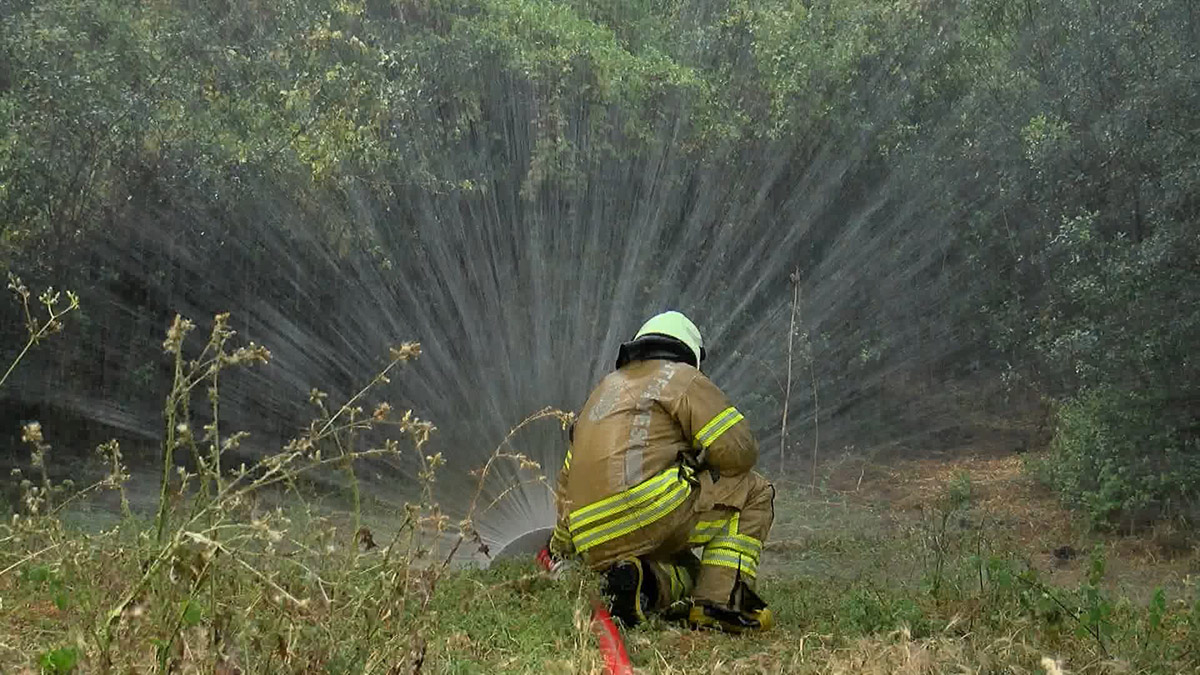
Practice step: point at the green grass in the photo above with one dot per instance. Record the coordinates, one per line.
(863, 600)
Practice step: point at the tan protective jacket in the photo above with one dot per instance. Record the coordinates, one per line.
(636, 445)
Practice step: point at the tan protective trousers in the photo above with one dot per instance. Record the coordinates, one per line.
(729, 519)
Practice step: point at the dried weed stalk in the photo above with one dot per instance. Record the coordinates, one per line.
(215, 581)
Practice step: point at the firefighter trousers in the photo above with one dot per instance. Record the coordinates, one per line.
(727, 518)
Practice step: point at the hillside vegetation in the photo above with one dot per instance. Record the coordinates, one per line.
(947, 255)
(973, 192)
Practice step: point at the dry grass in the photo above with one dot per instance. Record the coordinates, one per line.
(216, 581)
(1024, 514)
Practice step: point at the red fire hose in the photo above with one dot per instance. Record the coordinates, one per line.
(611, 645)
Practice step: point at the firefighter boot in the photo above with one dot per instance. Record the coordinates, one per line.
(631, 590)
(746, 612)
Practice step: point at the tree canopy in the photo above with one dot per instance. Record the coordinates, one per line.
(973, 191)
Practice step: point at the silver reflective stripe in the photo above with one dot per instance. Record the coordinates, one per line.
(633, 464)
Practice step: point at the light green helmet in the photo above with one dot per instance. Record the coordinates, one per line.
(675, 325)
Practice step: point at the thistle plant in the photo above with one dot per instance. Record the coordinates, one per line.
(37, 327)
(216, 563)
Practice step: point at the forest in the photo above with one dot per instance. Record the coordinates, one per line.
(907, 225)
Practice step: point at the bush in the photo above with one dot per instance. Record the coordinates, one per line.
(1115, 457)
(868, 611)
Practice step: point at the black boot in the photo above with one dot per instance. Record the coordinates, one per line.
(630, 590)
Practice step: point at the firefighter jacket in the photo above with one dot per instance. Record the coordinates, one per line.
(651, 435)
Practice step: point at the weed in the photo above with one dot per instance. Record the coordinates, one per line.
(946, 531)
(36, 327)
(61, 660)
(216, 582)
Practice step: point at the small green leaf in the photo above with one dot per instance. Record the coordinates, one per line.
(192, 614)
(1158, 607)
(38, 574)
(61, 660)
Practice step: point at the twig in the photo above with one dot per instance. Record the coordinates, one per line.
(201, 539)
(165, 653)
(397, 358)
(787, 395)
(91, 488)
(27, 558)
(37, 333)
(812, 374)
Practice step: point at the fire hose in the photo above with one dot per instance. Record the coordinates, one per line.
(616, 659)
(612, 647)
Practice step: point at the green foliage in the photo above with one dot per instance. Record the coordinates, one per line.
(1097, 609)
(192, 614)
(1027, 170)
(1083, 234)
(1158, 607)
(46, 580)
(1113, 457)
(868, 611)
(61, 660)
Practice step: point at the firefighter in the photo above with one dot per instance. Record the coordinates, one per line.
(659, 464)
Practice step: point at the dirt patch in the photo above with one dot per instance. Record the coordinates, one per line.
(1013, 506)
(999, 487)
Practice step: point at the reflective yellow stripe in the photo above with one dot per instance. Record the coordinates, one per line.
(747, 540)
(640, 518)
(722, 429)
(715, 422)
(624, 501)
(567, 461)
(738, 544)
(721, 558)
(705, 530)
(717, 426)
(723, 546)
(628, 523)
(686, 581)
(561, 536)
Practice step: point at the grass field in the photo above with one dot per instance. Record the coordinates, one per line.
(943, 564)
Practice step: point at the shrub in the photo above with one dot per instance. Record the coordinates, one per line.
(1114, 456)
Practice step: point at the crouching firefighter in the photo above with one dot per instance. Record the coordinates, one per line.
(659, 464)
